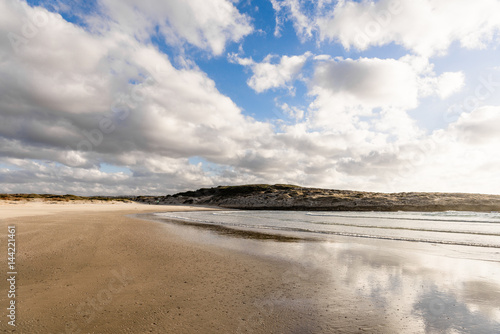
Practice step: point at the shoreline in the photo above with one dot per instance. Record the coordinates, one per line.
(92, 268)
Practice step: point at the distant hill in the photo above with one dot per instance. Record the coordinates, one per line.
(291, 197)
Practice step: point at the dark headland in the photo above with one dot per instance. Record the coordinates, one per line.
(291, 197)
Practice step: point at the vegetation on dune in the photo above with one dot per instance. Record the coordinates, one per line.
(229, 191)
(60, 198)
(292, 197)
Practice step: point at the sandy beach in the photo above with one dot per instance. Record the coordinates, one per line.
(111, 268)
(87, 268)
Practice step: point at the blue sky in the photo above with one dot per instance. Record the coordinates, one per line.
(155, 97)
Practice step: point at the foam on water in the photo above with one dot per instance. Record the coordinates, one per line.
(476, 229)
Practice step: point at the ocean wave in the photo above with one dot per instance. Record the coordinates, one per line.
(307, 231)
(407, 228)
(314, 214)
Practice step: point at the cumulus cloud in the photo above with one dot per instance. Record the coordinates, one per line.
(292, 111)
(83, 99)
(369, 81)
(454, 157)
(447, 160)
(425, 27)
(25, 176)
(208, 25)
(429, 83)
(358, 127)
(346, 89)
(450, 83)
(293, 10)
(372, 97)
(267, 75)
(478, 127)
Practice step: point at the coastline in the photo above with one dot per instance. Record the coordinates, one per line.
(96, 268)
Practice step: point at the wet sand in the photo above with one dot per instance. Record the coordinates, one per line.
(87, 268)
(97, 268)
(358, 285)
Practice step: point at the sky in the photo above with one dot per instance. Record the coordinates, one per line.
(122, 97)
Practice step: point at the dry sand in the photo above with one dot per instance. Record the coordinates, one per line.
(88, 268)
(12, 209)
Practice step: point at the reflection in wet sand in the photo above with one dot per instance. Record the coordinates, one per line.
(433, 293)
(376, 286)
(443, 312)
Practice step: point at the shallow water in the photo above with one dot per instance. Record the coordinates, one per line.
(386, 272)
(457, 228)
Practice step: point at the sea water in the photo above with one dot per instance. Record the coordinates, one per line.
(452, 227)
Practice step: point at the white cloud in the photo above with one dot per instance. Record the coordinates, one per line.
(292, 111)
(293, 10)
(479, 127)
(353, 93)
(369, 82)
(209, 25)
(360, 116)
(83, 99)
(268, 75)
(425, 27)
(24, 176)
(429, 83)
(458, 158)
(364, 101)
(449, 83)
